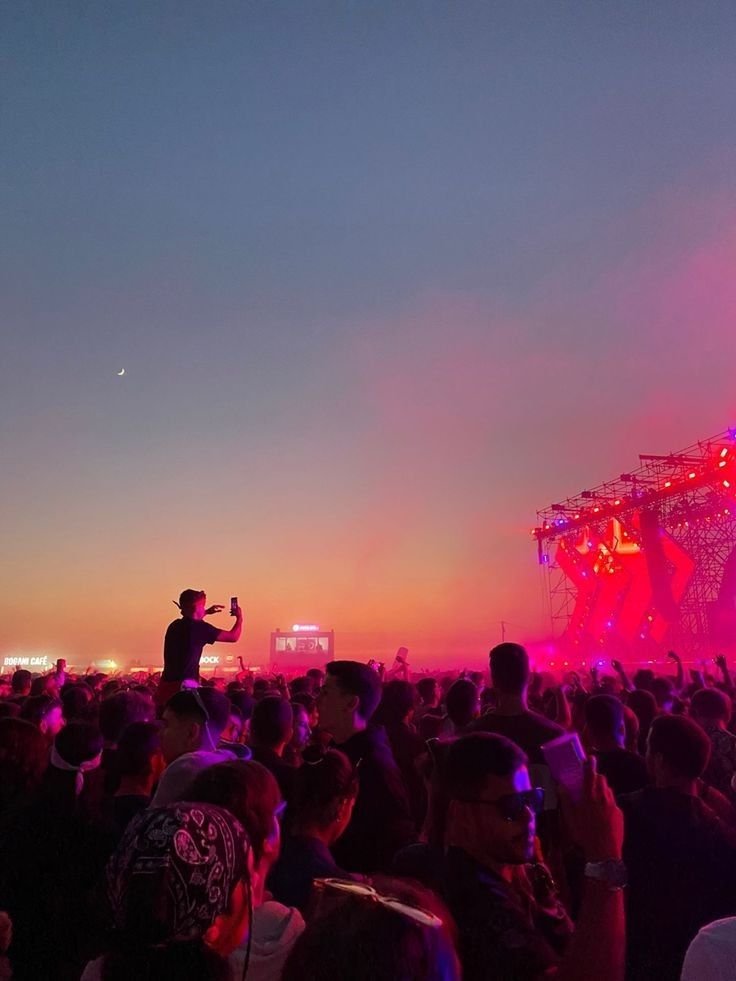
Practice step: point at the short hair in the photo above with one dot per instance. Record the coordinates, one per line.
(304, 699)
(471, 759)
(23, 758)
(397, 700)
(247, 790)
(316, 673)
(120, 710)
(271, 721)
(322, 784)
(189, 598)
(186, 705)
(74, 701)
(243, 702)
(298, 685)
(711, 704)
(509, 668)
(683, 745)
(604, 714)
(37, 707)
(426, 688)
(462, 701)
(354, 678)
(78, 742)
(20, 680)
(138, 744)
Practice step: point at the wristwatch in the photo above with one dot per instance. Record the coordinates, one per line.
(612, 872)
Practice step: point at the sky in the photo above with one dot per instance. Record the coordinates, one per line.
(385, 279)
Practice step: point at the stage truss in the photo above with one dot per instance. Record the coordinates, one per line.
(648, 560)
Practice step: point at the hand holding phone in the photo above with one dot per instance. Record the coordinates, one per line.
(233, 606)
(565, 757)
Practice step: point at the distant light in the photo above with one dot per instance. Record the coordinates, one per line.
(691, 475)
(609, 624)
(577, 516)
(724, 452)
(722, 463)
(596, 510)
(617, 502)
(304, 627)
(726, 484)
(566, 663)
(668, 483)
(601, 663)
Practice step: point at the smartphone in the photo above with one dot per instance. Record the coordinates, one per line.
(565, 758)
(233, 606)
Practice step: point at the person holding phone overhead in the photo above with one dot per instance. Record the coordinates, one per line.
(186, 638)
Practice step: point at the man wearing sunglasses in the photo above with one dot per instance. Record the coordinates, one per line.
(511, 923)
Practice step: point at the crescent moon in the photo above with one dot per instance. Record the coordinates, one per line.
(121, 372)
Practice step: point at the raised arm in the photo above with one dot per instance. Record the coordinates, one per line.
(619, 669)
(722, 665)
(231, 636)
(596, 824)
(680, 679)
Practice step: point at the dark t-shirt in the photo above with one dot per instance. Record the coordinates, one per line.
(681, 862)
(183, 644)
(528, 730)
(625, 772)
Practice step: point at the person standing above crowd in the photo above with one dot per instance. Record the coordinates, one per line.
(381, 822)
(186, 638)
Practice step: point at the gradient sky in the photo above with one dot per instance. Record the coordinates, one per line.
(385, 279)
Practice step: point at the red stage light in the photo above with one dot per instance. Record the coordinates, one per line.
(668, 483)
(691, 475)
(724, 452)
(726, 484)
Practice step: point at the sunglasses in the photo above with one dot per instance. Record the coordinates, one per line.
(512, 806)
(361, 891)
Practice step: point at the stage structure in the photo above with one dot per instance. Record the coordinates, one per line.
(647, 561)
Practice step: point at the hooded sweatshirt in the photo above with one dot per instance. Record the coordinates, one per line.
(275, 930)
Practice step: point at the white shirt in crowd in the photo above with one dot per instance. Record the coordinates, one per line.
(712, 955)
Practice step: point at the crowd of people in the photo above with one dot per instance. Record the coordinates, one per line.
(353, 823)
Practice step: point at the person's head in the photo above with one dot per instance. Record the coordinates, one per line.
(261, 688)
(643, 704)
(120, 710)
(324, 795)
(310, 704)
(23, 759)
(463, 703)
(711, 707)
(44, 685)
(249, 792)
(400, 930)
(664, 693)
(316, 677)
(487, 698)
(193, 719)
(509, 669)
(74, 702)
(139, 755)
(233, 731)
(348, 698)
(397, 703)
(299, 685)
(180, 873)
(271, 724)
(21, 682)
(44, 712)
(243, 702)
(429, 692)
(60, 665)
(604, 722)
(491, 811)
(301, 729)
(677, 751)
(192, 603)
(644, 679)
(631, 728)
